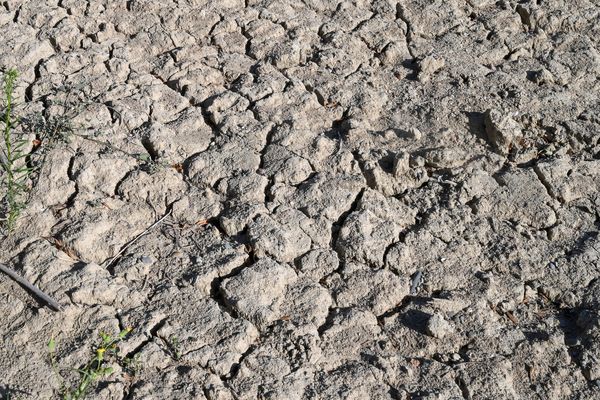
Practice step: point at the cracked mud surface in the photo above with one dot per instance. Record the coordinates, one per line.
(369, 199)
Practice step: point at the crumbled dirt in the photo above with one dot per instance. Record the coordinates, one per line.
(365, 199)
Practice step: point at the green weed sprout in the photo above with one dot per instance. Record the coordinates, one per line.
(94, 370)
(16, 172)
(174, 348)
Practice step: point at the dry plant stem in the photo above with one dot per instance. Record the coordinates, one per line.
(103, 143)
(8, 158)
(53, 304)
(132, 241)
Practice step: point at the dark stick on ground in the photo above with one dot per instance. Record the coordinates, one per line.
(53, 304)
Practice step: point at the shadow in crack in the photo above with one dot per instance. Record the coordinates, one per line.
(586, 240)
(536, 336)
(413, 67)
(573, 334)
(339, 128)
(415, 320)
(476, 124)
(7, 392)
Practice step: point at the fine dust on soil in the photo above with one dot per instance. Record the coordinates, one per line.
(369, 200)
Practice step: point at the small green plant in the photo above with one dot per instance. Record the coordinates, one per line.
(21, 159)
(16, 172)
(58, 128)
(174, 348)
(93, 370)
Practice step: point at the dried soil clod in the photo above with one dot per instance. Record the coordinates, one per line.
(502, 131)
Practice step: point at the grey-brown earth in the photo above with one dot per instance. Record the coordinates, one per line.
(369, 200)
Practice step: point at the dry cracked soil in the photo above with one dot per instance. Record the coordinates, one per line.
(356, 200)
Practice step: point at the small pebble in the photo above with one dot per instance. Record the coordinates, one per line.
(146, 260)
(438, 327)
(390, 134)
(416, 283)
(415, 133)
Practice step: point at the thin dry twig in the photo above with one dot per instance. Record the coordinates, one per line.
(53, 304)
(132, 241)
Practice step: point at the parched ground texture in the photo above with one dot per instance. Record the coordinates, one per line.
(365, 199)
